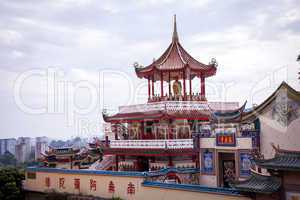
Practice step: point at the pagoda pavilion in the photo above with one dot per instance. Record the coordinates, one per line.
(165, 131)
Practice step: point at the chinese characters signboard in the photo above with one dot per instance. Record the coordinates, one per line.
(226, 137)
(111, 187)
(130, 188)
(93, 186)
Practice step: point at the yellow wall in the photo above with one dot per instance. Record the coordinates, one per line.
(121, 184)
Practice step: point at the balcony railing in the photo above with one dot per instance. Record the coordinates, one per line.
(178, 106)
(152, 144)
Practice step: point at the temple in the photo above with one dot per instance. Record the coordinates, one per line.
(175, 126)
(72, 158)
(178, 144)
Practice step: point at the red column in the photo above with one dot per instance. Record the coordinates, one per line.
(142, 130)
(149, 90)
(190, 85)
(184, 89)
(115, 128)
(170, 161)
(202, 87)
(161, 84)
(117, 163)
(106, 141)
(153, 86)
(169, 83)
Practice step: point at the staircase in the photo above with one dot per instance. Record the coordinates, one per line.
(104, 164)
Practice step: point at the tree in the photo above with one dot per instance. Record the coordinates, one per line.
(11, 184)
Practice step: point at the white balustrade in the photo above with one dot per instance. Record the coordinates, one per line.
(152, 144)
(178, 106)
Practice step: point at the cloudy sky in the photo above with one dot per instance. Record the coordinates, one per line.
(63, 61)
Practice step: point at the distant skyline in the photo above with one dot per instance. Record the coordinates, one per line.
(62, 62)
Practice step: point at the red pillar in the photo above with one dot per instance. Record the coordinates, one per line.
(170, 161)
(190, 85)
(202, 87)
(142, 130)
(184, 89)
(153, 86)
(117, 163)
(106, 141)
(149, 90)
(115, 128)
(161, 84)
(169, 83)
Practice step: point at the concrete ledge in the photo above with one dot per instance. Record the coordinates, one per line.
(193, 188)
(87, 172)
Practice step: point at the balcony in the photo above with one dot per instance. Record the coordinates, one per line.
(178, 106)
(152, 144)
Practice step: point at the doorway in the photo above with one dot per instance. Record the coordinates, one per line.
(143, 164)
(226, 169)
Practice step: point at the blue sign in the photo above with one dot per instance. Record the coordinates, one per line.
(208, 165)
(245, 164)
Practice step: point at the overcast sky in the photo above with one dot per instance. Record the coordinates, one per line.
(57, 56)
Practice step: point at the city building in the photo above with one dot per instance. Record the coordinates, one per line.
(23, 149)
(72, 157)
(41, 146)
(8, 145)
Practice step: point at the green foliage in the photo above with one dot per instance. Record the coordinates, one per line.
(11, 184)
(116, 198)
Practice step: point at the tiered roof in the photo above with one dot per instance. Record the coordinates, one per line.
(258, 183)
(223, 116)
(284, 160)
(176, 58)
(256, 111)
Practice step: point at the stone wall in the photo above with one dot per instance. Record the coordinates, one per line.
(126, 185)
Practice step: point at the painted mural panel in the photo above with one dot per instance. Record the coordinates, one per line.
(245, 164)
(284, 110)
(208, 162)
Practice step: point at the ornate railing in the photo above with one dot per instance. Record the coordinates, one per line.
(178, 106)
(152, 144)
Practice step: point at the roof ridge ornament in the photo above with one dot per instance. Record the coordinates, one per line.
(175, 34)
